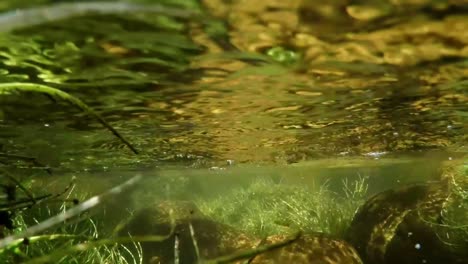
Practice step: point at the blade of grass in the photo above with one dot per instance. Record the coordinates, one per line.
(93, 244)
(56, 93)
(102, 242)
(194, 241)
(34, 239)
(176, 249)
(18, 183)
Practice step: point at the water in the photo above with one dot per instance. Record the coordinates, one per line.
(313, 99)
(159, 87)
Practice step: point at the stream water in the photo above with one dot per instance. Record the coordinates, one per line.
(301, 93)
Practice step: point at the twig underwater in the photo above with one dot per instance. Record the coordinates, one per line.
(176, 249)
(194, 242)
(18, 183)
(17, 19)
(56, 93)
(12, 203)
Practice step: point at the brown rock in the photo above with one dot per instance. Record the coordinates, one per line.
(310, 248)
(407, 225)
(213, 239)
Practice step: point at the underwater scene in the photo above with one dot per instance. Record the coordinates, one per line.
(234, 131)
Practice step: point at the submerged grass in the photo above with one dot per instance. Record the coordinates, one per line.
(82, 242)
(453, 230)
(266, 208)
(263, 208)
(53, 246)
(59, 233)
(33, 249)
(63, 233)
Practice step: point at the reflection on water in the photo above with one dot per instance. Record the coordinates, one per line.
(145, 75)
(285, 117)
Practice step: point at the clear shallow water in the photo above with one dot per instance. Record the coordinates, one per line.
(380, 174)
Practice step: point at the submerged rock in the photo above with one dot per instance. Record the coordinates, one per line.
(411, 224)
(213, 239)
(312, 248)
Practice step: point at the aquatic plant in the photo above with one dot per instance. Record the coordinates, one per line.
(266, 208)
(41, 243)
(57, 245)
(452, 223)
(64, 234)
(7, 88)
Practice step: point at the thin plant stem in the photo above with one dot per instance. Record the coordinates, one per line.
(18, 183)
(39, 88)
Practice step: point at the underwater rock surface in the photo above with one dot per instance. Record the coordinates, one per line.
(310, 248)
(213, 239)
(413, 224)
(216, 239)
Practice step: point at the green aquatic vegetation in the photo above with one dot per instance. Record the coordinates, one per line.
(54, 245)
(52, 233)
(70, 213)
(81, 239)
(267, 208)
(452, 227)
(70, 59)
(7, 88)
(98, 44)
